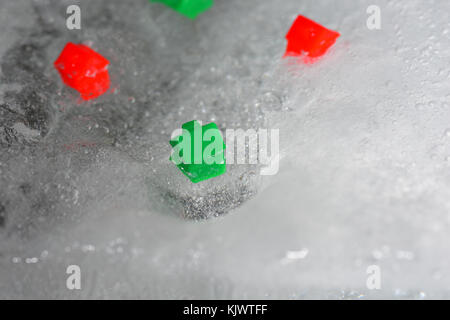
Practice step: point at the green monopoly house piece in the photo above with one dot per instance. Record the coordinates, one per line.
(199, 152)
(188, 8)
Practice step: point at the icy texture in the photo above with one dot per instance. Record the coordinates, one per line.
(365, 175)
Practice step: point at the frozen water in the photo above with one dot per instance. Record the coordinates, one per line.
(364, 178)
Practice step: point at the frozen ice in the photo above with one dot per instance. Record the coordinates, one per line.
(364, 137)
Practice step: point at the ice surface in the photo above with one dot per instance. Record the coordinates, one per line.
(364, 137)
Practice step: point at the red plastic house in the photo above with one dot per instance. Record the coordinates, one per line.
(84, 70)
